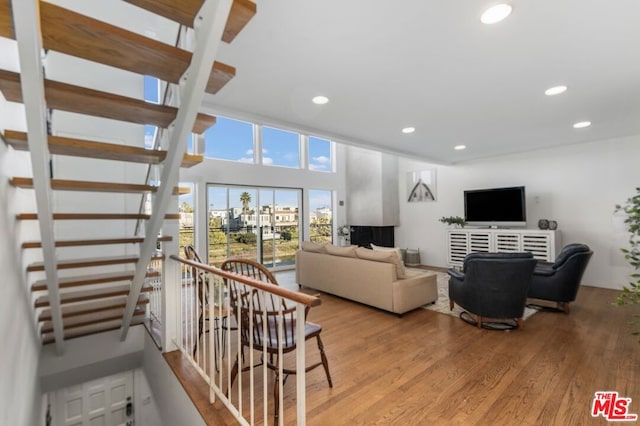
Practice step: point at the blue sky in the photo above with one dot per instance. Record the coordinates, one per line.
(233, 140)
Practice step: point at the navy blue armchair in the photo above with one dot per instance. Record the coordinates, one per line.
(492, 285)
(559, 281)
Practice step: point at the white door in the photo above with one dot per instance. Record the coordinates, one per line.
(103, 402)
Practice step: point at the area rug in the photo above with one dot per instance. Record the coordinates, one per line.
(442, 304)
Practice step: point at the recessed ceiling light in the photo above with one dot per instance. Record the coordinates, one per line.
(555, 90)
(496, 13)
(408, 130)
(320, 100)
(460, 147)
(581, 124)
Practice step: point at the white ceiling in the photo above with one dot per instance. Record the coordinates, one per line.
(432, 65)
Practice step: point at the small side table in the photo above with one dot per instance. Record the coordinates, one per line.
(412, 258)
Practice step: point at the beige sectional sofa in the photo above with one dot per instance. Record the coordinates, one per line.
(362, 275)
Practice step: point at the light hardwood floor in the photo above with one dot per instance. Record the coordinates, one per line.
(433, 369)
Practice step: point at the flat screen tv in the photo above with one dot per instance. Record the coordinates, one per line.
(496, 207)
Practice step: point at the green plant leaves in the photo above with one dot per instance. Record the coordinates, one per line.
(630, 294)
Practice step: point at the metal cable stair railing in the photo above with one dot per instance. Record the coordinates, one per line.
(157, 140)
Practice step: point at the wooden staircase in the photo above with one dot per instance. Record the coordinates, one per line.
(93, 291)
(91, 149)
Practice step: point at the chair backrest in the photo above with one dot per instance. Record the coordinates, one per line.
(259, 307)
(191, 254)
(499, 282)
(472, 257)
(198, 276)
(249, 268)
(568, 252)
(569, 270)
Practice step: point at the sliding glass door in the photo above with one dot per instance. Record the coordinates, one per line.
(260, 224)
(280, 226)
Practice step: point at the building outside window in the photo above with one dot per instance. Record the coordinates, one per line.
(320, 216)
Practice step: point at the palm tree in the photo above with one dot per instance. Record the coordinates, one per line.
(245, 198)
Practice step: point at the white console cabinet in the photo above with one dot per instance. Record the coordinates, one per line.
(542, 243)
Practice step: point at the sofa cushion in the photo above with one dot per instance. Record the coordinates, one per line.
(388, 249)
(349, 251)
(387, 256)
(313, 247)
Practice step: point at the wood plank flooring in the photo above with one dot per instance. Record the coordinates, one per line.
(432, 369)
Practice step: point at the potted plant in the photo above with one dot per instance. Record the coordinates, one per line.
(631, 294)
(344, 232)
(456, 221)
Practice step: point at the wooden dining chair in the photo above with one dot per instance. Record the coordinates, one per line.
(255, 308)
(220, 314)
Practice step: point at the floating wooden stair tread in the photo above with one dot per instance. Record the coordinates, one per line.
(90, 262)
(89, 319)
(90, 186)
(80, 185)
(81, 296)
(107, 241)
(67, 97)
(100, 150)
(190, 160)
(90, 329)
(92, 306)
(181, 190)
(6, 24)
(78, 35)
(184, 12)
(92, 279)
(95, 216)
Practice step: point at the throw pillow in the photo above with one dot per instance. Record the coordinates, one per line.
(313, 247)
(396, 249)
(387, 256)
(349, 251)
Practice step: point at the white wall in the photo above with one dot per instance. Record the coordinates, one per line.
(577, 185)
(20, 394)
(372, 187)
(91, 357)
(237, 173)
(146, 410)
(172, 402)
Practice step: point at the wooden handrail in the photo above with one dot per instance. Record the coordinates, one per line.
(295, 296)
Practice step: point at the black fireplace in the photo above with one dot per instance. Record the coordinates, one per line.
(363, 236)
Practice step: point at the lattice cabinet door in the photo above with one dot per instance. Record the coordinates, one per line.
(541, 245)
(480, 242)
(508, 242)
(458, 247)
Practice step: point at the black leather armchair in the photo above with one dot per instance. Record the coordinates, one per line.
(492, 285)
(559, 281)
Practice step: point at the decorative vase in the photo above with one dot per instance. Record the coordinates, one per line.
(553, 225)
(543, 224)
